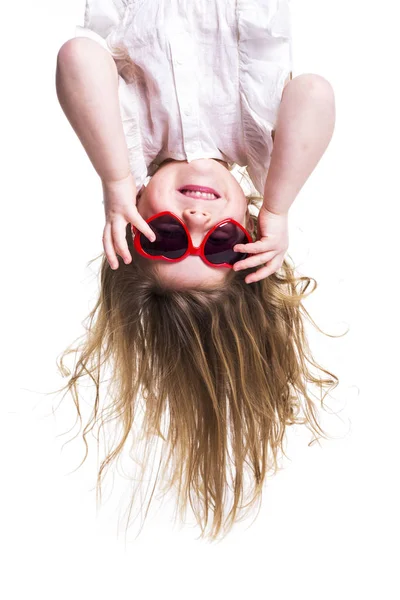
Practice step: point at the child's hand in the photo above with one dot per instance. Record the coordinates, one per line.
(271, 245)
(120, 209)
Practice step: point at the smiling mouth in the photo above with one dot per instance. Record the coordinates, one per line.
(198, 191)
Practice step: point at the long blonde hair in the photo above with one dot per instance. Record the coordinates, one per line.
(230, 366)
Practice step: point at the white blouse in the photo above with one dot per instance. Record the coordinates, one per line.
(209, 82)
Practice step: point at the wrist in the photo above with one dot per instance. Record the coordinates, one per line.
(117, 188)
(273, 211)
(115, 182)
(125, 175)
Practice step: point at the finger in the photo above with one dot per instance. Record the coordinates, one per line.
(109, 247)
(252, 247)
(254, 261)
(118, 230)
(264, 272)
(140, 224)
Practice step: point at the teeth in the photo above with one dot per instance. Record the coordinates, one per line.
(198, 194)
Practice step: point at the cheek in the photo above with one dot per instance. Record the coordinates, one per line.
(160, 200)
(243, 213)
(148, 204)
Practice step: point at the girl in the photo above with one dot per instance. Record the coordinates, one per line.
(169, 98)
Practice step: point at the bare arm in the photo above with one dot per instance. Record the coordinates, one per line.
(304, 129)
(87, 89)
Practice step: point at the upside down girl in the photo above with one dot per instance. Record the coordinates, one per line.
(199, 311)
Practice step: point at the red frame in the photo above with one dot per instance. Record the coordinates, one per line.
(191, 250)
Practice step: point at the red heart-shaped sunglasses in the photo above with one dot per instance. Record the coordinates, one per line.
(173, 242)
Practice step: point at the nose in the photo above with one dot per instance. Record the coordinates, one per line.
(197, 221)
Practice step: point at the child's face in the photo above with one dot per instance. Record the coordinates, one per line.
(198, 214)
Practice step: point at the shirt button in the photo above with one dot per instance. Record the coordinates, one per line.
(187, 111)
(179, 61)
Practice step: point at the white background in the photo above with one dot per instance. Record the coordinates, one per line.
(329, 526)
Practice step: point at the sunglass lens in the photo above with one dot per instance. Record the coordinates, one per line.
(219, 245)
(171, 240)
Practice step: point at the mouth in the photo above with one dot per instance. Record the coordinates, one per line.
(199, 191)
